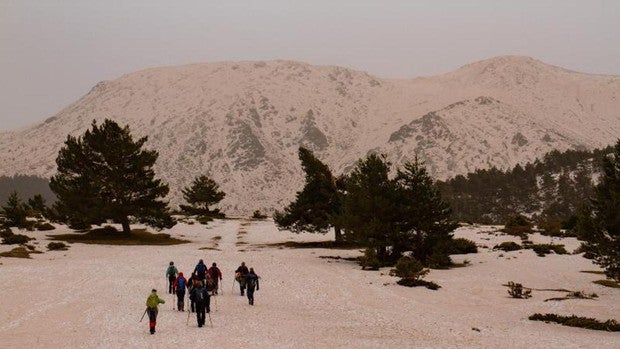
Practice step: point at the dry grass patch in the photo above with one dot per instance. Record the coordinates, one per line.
(18, 252)
(607, 283)
(314, 244)
(110, 236)
(210, 248)
(599, 272)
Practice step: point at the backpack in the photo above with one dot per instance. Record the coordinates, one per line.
(251, 282)
(210, 284)
(181, 284)
(200, 295)
(201, 269)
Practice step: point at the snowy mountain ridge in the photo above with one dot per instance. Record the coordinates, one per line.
(242, 122)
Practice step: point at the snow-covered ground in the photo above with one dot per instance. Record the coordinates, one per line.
(92, 296)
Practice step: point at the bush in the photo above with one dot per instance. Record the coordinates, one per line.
(508, 246)
(545, 249)
(407, 267)
(18, 252)
(416, 282)
(578, 321)
(516, 290)
(460, 246)
(16, 239)
(518, 225)
(551, 228)
(370, 260)
(57, 246)
(439, 260)
(258, 215)
(45, 227)
(5, 232)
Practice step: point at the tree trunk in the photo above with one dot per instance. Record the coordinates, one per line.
(338, 234)
(125, 223)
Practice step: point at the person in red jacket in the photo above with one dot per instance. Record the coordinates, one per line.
(216, 276)
(180, 284)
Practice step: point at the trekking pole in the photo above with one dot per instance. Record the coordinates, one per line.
(143, 314)
(211, 322)
(222, 287)
(188, 314)
(232, 289)
(215, 303)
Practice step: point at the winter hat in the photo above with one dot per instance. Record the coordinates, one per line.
(171, 263)
(180, 274)
(154, 290)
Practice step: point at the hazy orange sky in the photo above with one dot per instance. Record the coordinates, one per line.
(53, 52)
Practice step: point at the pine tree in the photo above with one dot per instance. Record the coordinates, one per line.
(369, 215)
(203, 192)
(425, 218)
(405, 213)
(37, 203)
(317, 205)
(14, 211)
(105, 174)
(606, 241)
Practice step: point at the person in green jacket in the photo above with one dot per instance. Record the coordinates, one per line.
(171, 273)
(151, 308)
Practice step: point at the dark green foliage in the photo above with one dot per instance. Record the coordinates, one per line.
(550, 227)
(393, 215)
(578, 321)
(105, 174)
(407, 267)
(14, 239)
(508, 246)
(545, 249)
(45, 227)
(202, 193)
(555, 185)
(5, 232)
(57, 246)
(317, 205)
(516, 290)
(418, 282)
(14, 211)
(37, 205)
(439, 260)
(17, 252)
(459, 246)
(518, 225)
(370, 260)
(411, 272)
(25, 186)
(108, 235)
(604, 240)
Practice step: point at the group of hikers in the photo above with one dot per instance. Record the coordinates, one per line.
(202, 284)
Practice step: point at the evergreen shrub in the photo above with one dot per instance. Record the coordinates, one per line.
(578, 321)
(370, 260)
(516, 290)
(460, 246)
(508, 246)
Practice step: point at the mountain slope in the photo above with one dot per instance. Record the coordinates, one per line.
(242, 122)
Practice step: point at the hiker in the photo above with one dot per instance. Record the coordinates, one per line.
(180, 284)
(240, 274)
(200, 296)
(171, 273)
(216, 276)
(251, 282)
(151, 308)
(191, 283)
(201, 270)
